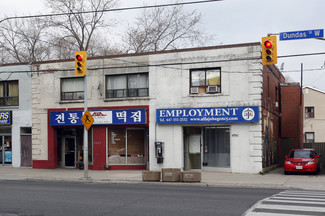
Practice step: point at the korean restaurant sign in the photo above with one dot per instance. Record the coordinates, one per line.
(5, 118)
(207, 115)
(101, 117)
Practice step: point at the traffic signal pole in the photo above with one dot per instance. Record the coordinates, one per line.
(85, 151)
(81, 70)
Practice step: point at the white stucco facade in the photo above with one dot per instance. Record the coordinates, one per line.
(169, 88)
(241, 85)
(21, 113)
(314, 98)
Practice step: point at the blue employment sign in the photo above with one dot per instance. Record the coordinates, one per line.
(207, 115)
(294, 35)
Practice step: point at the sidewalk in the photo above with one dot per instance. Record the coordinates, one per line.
(273, 179)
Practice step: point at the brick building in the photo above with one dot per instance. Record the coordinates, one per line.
(292, 102)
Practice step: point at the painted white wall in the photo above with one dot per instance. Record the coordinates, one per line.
(241, 83)
(315, 98)
(47, 88)
(22, 114)
(168, 88)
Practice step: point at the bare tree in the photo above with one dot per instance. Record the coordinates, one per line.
(24, 41)
(165, 28)
(75, 28)
(102, 46)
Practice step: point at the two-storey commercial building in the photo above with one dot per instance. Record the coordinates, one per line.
(15, 116)
(197, 108)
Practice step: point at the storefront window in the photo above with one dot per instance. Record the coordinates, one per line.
(135, 146)
(126, 146)
(5, 150)
(216, 147)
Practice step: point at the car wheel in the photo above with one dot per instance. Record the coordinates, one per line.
(286, 173)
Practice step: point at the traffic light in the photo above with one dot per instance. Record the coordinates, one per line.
(80, 58)
(269, 50)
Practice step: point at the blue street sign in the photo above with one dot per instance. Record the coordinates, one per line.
(294, 35)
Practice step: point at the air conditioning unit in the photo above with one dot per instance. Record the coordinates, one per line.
(212, 89)
(194, 90)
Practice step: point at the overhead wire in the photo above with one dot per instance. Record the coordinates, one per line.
(139, 64)
(110, 10)
(154, 65)
(142, 65)
(105, 10)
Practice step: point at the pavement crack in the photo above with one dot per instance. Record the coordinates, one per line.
(114, 209)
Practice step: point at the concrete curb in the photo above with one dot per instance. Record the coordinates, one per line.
(272, 179)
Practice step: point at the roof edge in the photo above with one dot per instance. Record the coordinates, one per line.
(145, 53)
(313, 88)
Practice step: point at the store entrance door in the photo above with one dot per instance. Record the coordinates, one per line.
(216, 147)
(5, 150)
(69, 151)
(70, 147)
(192, 148)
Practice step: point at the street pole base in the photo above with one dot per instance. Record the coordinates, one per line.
(87, 178)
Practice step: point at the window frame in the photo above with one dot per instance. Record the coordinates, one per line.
(123, 156)
(309, 140)
(75, 94)
(6, 93)
(204, 88)
(126, 92)
(310, 114)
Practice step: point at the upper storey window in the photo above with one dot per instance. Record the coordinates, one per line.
(9, 93)
(127, 85)
(72, 88)
(205, 81)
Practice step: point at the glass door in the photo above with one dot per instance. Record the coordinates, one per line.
(69, 151)
(5, 150)
(216, 147)
(2, 152)
(192, 148)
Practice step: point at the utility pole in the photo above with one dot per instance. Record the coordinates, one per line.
(85, 152)
(81, 69)
(301, 80)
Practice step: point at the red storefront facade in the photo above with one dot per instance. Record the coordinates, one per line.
(114, 146)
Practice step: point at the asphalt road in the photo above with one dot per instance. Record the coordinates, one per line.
(59, 198)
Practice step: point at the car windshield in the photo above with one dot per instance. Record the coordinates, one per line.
(301, 154)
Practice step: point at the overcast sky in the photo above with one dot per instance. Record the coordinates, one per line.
(241, 21)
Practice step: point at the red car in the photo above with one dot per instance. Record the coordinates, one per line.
(302, 160)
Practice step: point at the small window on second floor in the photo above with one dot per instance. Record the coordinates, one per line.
(205, 81)
(127, 85)
(309, 112)
(9, 93)
(309, 137)
(72, 88)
